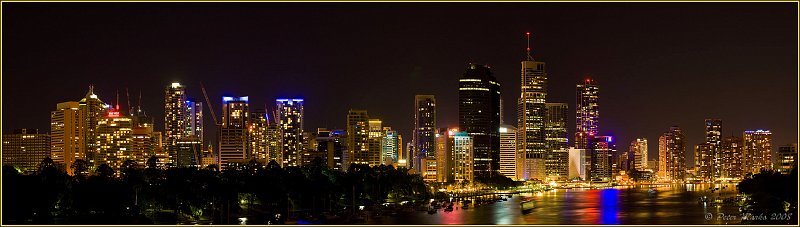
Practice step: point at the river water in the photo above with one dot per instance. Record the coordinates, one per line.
(670, 204)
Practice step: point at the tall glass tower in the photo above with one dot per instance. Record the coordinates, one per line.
(479, 116)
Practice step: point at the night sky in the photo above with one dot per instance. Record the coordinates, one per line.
(657, 64)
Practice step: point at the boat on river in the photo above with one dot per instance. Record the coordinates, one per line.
(527, 204)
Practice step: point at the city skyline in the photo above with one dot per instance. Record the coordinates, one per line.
(625, 116)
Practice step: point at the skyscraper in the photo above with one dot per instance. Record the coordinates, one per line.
(556, 155)
(25, 149)
(333, 145)
(639, 148)
(194, 119)
(423, 139)
(233, 131)
(731, 153)
(290, 115)
(463, 157)
(787, 158)
(531, 116)
(714, 141)
(479, 116)
(374, 143)
(444, 155)
(511, 160)
(114, 139)
(672, 155)
(176, 121)
(357, 138)
(390, 146)
(704, 161)
(757, 151)
(587, 112)
(257, 130)
(602, 149)
(93, 109)
(67, 135)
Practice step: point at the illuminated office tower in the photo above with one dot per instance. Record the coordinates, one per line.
(703, 161)
(257, 130)
(402, 156)
(602, 149)
(407, 162)
(423, 140)
(672, 155)
(531, 116)
(176, 121)
(479, 116)
(357, 138)
(273, 138)
(114, 140)
(443, 171)
(787, 158)
(290, 118)
(587, 112)
(188, 152)
(310, 152)
(731, 154)
(511, 160)
(375, 136)
(639, 149)
(233, 131)
(93, 109)
(714, 140)
(194, 119)
(332, 144)
(24, 149)
(390, 146)
(67, 135)
(757, 151)
(143, 145)
(463, 158)
(555, 129)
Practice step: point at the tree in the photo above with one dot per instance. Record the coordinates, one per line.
(81, 168)
(104, 171)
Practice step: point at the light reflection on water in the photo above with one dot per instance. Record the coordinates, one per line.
(673, 204)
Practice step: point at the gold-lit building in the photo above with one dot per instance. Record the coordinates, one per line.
(672, 155)
(757, 151)
(93, 109)
(463, 157)
(357, 138)
(639, 149)
(290, 123)
(25, 149)
(233, 131)
(114, 140)
(511, 159)
(67, 135)
(731, 158)
(375, 137)
(787, 158)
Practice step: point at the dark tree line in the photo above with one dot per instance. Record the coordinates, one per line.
(154, 194)
(771, 193)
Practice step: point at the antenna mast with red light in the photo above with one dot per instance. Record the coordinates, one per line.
(528, 50)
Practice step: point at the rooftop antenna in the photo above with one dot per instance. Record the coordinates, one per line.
(117, 106)
(528, 50)
(139, 105)
(130, 108)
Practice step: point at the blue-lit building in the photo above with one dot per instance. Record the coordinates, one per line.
(290, 124)
(233, 131)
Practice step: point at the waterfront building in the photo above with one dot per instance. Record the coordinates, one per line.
(587, 112)
(757, 151)
(731, 158)
(463, 157)
(579, 161)
(556, 156)
(479, 116)
(639, 148)
(511, 159)
(602, 149)
(423, 140)
(672, 155)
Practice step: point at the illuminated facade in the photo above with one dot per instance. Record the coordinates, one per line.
(233, 131)
(672, 155)
(714, 140)
(176, 121)
(579, 161)
(556, 156)
(639, 149)
(511, 160)
(143, 144)
(25, 149)
(93, 109)
(357, 138)
(757, 151)
(787, 158)
(602, 149)
(423, 139)
(390, 146)
(731, 157)
(479, 116)
(114, 140)
(444, 155)
(531, 118)
(703, 162)
(587, 112)
(374, 142)
(257, 134)
(463, 159)
(67, 135)
(290, 123)
(195, 119)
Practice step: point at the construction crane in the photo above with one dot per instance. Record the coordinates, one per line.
(208, 102)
